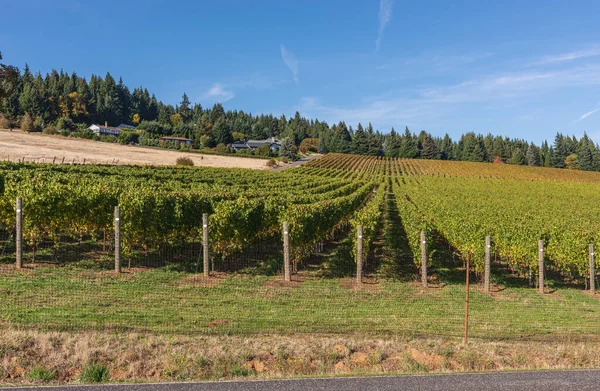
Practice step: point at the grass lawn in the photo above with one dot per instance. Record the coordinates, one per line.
(163, 300)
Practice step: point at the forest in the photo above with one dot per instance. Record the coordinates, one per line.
(59, 101)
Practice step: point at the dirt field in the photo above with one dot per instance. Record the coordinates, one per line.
(38, 147)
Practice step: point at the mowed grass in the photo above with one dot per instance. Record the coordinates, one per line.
(163, 300)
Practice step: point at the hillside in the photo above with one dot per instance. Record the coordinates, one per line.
(37, 147)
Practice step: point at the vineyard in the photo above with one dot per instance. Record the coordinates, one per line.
(345, 216)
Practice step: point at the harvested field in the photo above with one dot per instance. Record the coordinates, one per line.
(39, 147)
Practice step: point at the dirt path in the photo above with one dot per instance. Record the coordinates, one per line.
(39, 147)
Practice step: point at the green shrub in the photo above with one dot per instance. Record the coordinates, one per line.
(222, 148)
(87, 134)
(129, 138)
(108, 139)
(65, 132)
(272, 163)
(5, 123)
(50, 129)
(66, 124)
(41, 373)
(27, 123)
(184, 161)
(38, 124)
(263, 150)
(95, 372)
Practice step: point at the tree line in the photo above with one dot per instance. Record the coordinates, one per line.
(62, 100)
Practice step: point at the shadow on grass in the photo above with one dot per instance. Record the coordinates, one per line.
(397, 260)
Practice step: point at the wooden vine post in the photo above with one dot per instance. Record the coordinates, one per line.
(468, 267)
(286, 252)
(592, 270)
(19, 233)
(541, 266)
(423, 260)
(488, 265)
(117, 239)
(359, 254)
(205, 249)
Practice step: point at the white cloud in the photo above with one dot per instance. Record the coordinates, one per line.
(585, 115)
(570, 56)
(218, 93)
(291, 62)
(385, 15)
(427, 104)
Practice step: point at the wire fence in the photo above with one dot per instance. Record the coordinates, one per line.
(69, 282)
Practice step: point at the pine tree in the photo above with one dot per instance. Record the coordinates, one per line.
(222, 132)
(393, 144)
(288, 149)
(184, 109)
(359, 141)
(471, 148)
(517, 157)
(560, 151)
(430, 149)
(408, 149)
(533, 155)
(447, 148)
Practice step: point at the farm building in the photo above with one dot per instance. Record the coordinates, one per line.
(180, 140)
(105, 130)
(239, 146)
(272, 142)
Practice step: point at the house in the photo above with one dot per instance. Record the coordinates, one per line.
(239, 146)
(180, 140)
(105, 130)
(272, 142)
(126, 127)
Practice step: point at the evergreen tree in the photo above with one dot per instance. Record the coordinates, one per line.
(373, 142)
(288, 149)
(184, 109)
(446, 148)
(532, 156)
(222, 132)
(408, 147)
(517, 157)
(430, 150)
(359, 141)
(471, 148)
(393, 144)
(560, 151)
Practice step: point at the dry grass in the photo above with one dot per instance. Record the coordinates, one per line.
(146, 357)
(44, 148)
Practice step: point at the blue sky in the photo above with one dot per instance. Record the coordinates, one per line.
(516, 68)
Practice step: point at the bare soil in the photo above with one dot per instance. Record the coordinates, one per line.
(43, 148)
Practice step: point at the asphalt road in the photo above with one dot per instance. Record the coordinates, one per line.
(296, 163)
(583, 380)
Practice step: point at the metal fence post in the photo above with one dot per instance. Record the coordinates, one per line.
(205, 249)
(423, 260)
(286, 252)
(488, 263)
(19, 233)
(541, 266)
(117, 239)
(359, 254)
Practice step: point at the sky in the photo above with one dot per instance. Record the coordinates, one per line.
(524, 69)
